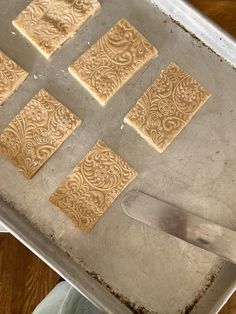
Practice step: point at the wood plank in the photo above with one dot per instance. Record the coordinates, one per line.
(230, 307)
(24, 279)
(222, 12)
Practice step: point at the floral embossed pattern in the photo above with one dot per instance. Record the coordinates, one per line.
(92, 186)
(112, 60)
(167, 106)
(49, 23)
(11, 76)
(37, 132)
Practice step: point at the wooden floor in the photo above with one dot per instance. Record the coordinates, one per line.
(223, 12)
(24, 279)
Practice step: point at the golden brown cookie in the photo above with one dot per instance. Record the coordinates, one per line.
(49, 23)
(167, 106)
(11, 77)
(37, 132)
(93, 185)
(108, 64)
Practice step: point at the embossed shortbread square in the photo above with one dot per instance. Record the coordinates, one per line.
(11, 77)
(49, 23)
(167, 106)
(37, 132)
(93, 185)
(105, 67)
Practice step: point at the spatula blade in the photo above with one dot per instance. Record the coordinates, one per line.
(181, 224)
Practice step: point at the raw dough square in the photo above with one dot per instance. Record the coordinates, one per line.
(108, 64)
(11, 77)
(167, 106)
(93, 185)
(49, 23)
(37, 132)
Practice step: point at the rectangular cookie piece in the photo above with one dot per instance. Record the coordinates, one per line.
(49, 23)
(36, 132)
(92, 186)
(108, 64)
(167, 106)
(11, 77)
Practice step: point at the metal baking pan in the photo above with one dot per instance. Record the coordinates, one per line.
(123, 266)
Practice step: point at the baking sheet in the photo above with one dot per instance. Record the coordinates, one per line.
(197, 172)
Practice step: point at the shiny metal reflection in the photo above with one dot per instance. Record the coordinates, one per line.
(181, 224)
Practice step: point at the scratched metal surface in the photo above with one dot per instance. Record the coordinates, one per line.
(197, 172)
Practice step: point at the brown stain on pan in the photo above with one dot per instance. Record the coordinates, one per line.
(201, 43)
(188, 309)
(138, 309)
(135, 308)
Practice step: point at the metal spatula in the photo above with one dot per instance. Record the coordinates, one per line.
(181, 224)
